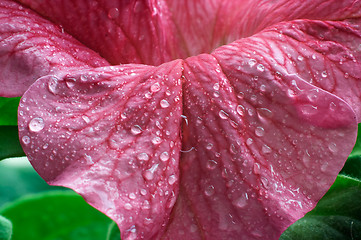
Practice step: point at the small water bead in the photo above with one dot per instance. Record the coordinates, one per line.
(25, 139)
(128, 206)
(241, 202)
(262, 88)
(132, 196)
(332, 147)
(143, 192)
(164, 103)
(216, 86)
(86, 119)
(256, 168)
(156, 140)
(240, 110)
(260, 68)
(36, 124)
(113, 13)
(143, 157)
(223, 114)
(324, 74)
(136, 129)
(249, 141)
(240, 95)
(209, 146)
(211, 164)
(266, 149)
(265, 182)
(172, 179)
(155, 87)
(149, 174)
(209, 191)
(164, 156)
(53, 85)
(252, 62)
(45, 146)
(264, 113)
(216, 94)
(259, 131)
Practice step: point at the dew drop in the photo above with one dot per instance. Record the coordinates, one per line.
(252, 62)
(164, 103)
(156, 140)
(53, 85)
(143, 157)
(300, 58)
(25, 139)
(128, 206)
(266, 149)
(149, 174)
(85, 118)
(265, 182)
(143, 192)
(172, 179)
(211, 164)
(240, 110)
(113, 13)
(132, 196)
(264, 113)
(306, 158)
(223, 114)
(249, 141)
(216, 94)
(164, 156)
(324, 167)
(240, 95)
(260, 68)
(259, 131)
(216, 86)
(36, 124)
(324, 74)
(155, 87)
(256, 168)
(209, 191)
(241, 202)
(209, 146)
(45, 146)
(70, 83)
(136, 129)
(262, 88)
(332, 147)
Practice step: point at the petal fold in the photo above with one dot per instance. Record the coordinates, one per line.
(113, 135)
(31, 47)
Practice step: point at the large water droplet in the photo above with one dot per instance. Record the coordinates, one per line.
(36, 124)
(211, 164)
(240, 110)
(143, 157)
(241, 202)
(264, 113)
(25, 139)
(164, 156)
(136, 129)
(164, 103)
(149, 174)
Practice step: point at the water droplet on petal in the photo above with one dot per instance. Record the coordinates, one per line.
(113, 13)
(25, 139)
(223, 114)
(172, 179)
(136, 129)
(332, 147)
(216, 86)
(156, 140)
(240, 110)
(143, 157)
(249, 141)
(128, 206)
(264, 113)
(209, 191)
(241, 202)
(256, 168)
(252, 62)
(164, 156)
(36, 124)
(53, 85)
(262, 88)
(132, 196)
(324, 74)
(266, 149)
(211, 164)
(155, 87)
(260, 68)
(164, 103)
(265, 182)
(259, 131)
(85, 118)
(149, 174)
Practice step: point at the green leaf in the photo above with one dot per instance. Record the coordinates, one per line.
(9, 111)
(18, 178)
(357, 148)
(9, 142)
(55, 216)
(5, 229)
(113, 232)
(337, 216)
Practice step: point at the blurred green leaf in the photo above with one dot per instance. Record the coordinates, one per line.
(9, 111)
(5, 229)
(337, 216)
(18, 180)
(55, 216)
(113, 232)
(357, 148)
(9, 142)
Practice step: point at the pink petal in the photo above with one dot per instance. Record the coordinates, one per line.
(31, 47)
(121, 31)
(259, 153)
(113, 135)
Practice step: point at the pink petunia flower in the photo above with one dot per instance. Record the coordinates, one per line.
(186, 119)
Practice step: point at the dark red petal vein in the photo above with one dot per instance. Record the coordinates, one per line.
(111, 134)
(31, 47)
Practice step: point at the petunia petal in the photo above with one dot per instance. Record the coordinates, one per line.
(113, 135)
(31, 47)
(121, 31)
(258, 152)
